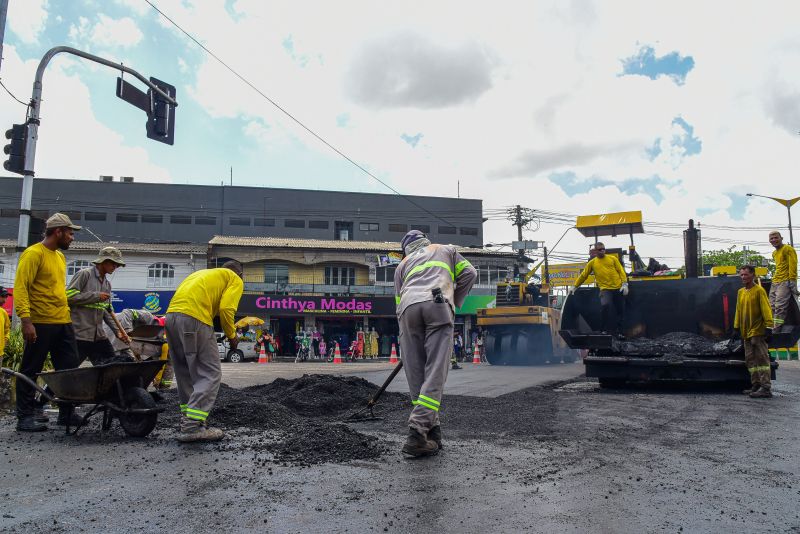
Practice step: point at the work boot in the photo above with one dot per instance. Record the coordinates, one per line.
(418, 445)
(28, 423)
(39, 416)
(199, 432)
(71, 417)
(456, 366)
(761, 393)
(751, 389)
(435, 435)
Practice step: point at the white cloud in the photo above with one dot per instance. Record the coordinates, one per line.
(27, 19)
(137, 6)
(106, 32)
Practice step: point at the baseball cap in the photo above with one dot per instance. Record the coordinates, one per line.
(110, 253)
(59, 220)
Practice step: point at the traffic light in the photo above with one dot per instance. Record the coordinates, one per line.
(161, 122)
(15, 149)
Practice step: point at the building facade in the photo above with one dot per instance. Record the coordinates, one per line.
(136, 212)
(338, 288)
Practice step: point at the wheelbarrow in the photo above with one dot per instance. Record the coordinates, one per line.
(115, 389)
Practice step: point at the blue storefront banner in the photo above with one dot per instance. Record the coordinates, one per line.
(153, 301)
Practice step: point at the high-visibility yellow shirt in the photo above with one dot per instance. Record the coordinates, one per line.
(40, 286)
(753, 313)
(207, 293)
(608, 272)
(785, 264)
(5, 331)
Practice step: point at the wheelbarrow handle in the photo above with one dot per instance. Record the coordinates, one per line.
(31, 383)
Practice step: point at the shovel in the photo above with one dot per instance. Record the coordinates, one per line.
(367, 413)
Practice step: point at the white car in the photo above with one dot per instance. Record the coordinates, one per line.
(244, 351)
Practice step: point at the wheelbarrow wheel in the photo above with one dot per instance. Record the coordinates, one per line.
(138, 425)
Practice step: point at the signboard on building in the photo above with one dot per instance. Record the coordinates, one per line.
(274, 304)
(390, 258)
(153, 301)
(565, 274)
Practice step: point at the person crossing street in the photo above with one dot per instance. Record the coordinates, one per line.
(89, 299)
(430, 283)
(193, 348)
(753, 322)
(612, 281)
(784, 281)
(40, 299)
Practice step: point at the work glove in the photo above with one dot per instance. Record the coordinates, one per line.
(793, 287)
(624, 289)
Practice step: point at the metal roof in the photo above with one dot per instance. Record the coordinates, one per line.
(325, 244)
(155, 248)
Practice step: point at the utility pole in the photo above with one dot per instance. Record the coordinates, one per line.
(3, 15)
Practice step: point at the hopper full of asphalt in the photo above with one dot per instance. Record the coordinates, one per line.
(297, 421)
(679, 344)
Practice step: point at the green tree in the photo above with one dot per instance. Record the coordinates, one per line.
(731, 256)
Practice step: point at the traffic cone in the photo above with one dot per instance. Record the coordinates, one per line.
(393, 355)
(476, 355)
(337, 355)
(262, 356)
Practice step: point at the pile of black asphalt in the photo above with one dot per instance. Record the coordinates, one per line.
(679, 344)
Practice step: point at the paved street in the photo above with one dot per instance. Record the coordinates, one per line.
(563, 458)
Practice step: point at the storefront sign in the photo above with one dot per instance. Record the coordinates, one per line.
(155, 302)
(565, 274)
(391, 258)
(303, 304)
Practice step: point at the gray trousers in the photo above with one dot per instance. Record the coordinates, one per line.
(195, 360)
(780, 295)
(426, 335)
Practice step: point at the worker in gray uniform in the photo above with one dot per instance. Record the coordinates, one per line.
(430, 283)
(128, 320)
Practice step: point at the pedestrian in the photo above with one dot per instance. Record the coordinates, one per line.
(456, 352)
(193, 348)
(479, 343)
(753, 322)
(89, 299)
(610, 278)
(430, 282)
(40, 299)
(784, 282)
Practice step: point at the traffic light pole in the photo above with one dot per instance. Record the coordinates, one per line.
(33, 126)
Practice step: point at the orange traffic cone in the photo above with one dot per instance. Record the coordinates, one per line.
(337, 355)
(393, 355)
(262, 356)
(476, 355)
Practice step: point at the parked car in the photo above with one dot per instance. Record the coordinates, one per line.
(244, 351)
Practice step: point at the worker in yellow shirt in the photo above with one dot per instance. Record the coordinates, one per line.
(40, 298)
(753, 322)
(612, 281)
(193, 346)
(5, 323)
(784, 281)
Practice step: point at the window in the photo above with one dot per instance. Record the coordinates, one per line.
(385, 274)
(94, 216)
(160, 275)
(261, 221)
(294, 223)
(368, 227)
(74, 215)
(2, 268)
(180, 219)
(342, 231)
(9, 212)
(319, 225)
(422, 228)
(398, 228)
(158, 219)
(240, 221)
(208, 221)
(75, 266)
(466, 230)
(276, 274)
(447, 229)
(340, 276)
(127, 217)
(491, 274)
(41, 214)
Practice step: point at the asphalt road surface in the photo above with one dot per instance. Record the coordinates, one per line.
(555, 457)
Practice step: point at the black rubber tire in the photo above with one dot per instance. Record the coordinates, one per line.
(235, 356)
(138, 425)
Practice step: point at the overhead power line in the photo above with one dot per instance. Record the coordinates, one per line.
(290, 116)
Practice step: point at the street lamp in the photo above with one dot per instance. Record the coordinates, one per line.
(788, 203)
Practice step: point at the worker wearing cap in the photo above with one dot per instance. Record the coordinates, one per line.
(753, 322)
(5, 323)
(89, 298)
(430, 283)
(784, 281)
(40, 299)
(193, 346)
(612, 281)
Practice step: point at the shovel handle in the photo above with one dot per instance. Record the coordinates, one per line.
(31, 383)
(385, 385)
